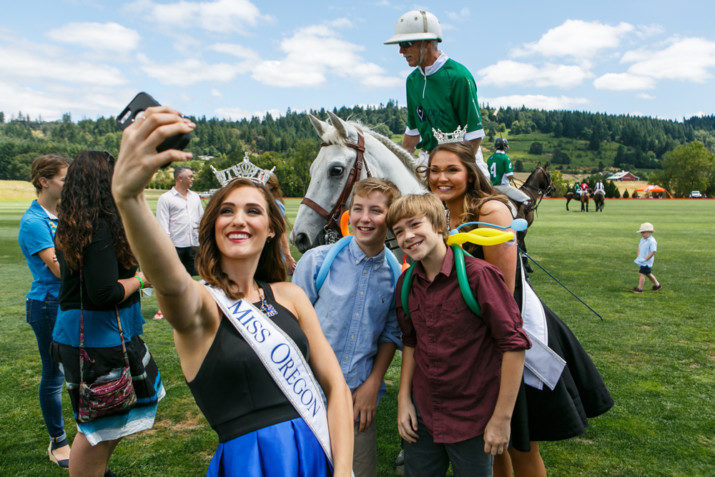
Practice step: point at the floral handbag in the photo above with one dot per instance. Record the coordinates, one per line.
(110, 394)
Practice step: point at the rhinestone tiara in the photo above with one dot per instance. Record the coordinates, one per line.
(456, 136)
(243, 170)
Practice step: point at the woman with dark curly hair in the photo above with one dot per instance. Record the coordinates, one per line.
(557, 404)
(37, 241)
(100, 290)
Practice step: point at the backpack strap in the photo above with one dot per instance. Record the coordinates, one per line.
(328, 261)
(337, 248)
(461, 279)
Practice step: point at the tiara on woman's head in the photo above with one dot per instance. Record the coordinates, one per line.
(243, 170)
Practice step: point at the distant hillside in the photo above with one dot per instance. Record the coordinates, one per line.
(572, 141)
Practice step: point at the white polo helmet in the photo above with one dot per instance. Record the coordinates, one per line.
(416, 25)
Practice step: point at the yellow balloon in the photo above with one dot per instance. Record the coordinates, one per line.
(484, 237)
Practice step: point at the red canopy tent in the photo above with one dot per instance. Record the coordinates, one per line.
(652, 189)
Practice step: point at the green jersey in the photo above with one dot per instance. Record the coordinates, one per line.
(500, 168)
(444, 98)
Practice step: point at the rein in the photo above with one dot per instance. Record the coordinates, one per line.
(333, 217)
(541, 193)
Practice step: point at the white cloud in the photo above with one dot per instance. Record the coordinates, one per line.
(315, 52)
(461, 15)
(508, 72)
(111, 37)
(686, 59)
(21, 63)
(216, 93)
(223, 16)
(236, 50)
(341, 23)
(536, 101)
(236, 114)
(50, 105)
(645, 96)
(189, 71)
(576, 38)
(623, 82)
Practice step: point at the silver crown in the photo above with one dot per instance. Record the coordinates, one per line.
(456, 136)
(243, 170)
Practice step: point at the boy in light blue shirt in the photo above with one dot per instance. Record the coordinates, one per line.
(355, 308)
(646, 256)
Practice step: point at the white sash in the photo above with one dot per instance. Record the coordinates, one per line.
(283, 361)
(541, 364)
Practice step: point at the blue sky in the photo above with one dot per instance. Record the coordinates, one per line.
(237, 58)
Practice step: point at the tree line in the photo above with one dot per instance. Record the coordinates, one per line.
(290, 144)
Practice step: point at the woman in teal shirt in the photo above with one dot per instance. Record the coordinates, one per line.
(37, 241)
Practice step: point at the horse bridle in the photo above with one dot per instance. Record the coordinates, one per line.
(333, 217)
(541, 192)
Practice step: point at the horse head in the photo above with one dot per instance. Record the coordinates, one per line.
(349, 153)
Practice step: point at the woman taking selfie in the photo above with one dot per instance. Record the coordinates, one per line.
(37, 241)
(578, 393)
(96, 336)
(255, 397)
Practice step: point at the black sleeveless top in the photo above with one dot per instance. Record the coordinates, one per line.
(233, 389)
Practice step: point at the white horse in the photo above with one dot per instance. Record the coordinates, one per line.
(350, 152)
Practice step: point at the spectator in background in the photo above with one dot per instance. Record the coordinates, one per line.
(100, 288)
(275, 189)
(37, 242)
(179, 212)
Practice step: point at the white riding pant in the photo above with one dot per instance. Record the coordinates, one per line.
(513, 193)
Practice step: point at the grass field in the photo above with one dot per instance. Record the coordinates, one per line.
(655, 351)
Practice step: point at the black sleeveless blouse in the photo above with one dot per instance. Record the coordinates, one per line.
(233, 389)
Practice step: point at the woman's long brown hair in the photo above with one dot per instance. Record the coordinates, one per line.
(271, 267)
(86, 199)
(479, 189)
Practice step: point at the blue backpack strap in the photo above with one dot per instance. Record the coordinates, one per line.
(333, 252)
(394, 265)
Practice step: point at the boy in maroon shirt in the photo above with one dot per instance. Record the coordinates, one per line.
(460, 372)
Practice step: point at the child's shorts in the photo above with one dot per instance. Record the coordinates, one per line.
(645, 270)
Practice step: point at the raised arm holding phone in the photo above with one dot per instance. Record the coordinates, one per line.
(239, 258)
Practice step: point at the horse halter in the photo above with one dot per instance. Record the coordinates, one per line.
(333, 217)
(541, 192)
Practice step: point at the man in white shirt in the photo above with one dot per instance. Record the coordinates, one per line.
(179, 212)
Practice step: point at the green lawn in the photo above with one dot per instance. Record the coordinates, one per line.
(654, 350)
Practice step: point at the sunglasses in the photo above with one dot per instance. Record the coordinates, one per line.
(406, 44)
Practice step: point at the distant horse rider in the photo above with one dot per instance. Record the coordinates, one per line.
(441, 93)
(501, 172)
(599, 188)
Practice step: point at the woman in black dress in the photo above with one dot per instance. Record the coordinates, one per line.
(239, 257)
(580, 393)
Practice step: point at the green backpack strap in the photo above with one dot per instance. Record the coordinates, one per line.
(463, 282)
(461, 279)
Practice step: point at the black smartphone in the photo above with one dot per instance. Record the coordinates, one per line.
(141, 102)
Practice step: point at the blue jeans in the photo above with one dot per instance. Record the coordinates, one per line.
(41, 316)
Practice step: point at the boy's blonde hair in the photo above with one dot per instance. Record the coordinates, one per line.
(412, 205)
(367, 186)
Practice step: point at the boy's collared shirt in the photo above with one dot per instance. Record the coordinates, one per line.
(457, 354)
(355, 306)
(646, 246)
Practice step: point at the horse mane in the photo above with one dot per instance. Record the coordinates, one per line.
(332, 136)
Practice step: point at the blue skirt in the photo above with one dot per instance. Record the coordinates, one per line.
(286, 449)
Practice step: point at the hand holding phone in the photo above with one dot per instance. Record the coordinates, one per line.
(140, 103)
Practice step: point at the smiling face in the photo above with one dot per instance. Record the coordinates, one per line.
(368, 220)
(242, 225)
(417, 237)
(447, 176)
(186, 179)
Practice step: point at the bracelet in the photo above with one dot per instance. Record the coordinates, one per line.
(141, 282)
